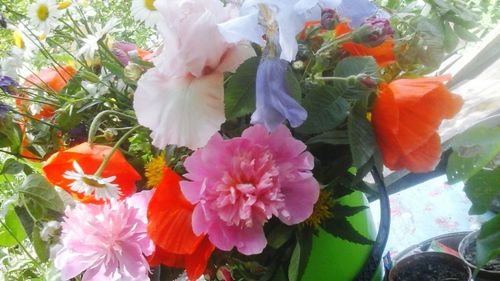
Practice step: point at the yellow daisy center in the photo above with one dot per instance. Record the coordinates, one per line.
(93, 182)
(321, 210)
(18, 39)
(149, 5)
(42, 12)
(63, 5)
(154, 171)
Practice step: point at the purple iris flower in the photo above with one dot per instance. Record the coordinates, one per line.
(7, 84)
(4, 109)
(274, 103)
(359, 10)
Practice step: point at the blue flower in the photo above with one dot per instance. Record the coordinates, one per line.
(7, 84)
(359, 10)
(4, 109)
(274, 103)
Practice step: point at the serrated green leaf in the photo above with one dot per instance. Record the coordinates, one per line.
(12, 167)
(300, 256)
(11, 229)
(40, 246)
(239, 93)
(361, 137)
(482, 189)
(464, 34)
(450, 38)
(488, 241)
(38, 189)
(331, 137)
(472, 150)
(340, 210)
(342, 228)
(326, 109)
(355, 66)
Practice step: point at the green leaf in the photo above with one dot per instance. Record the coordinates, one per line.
(488, 241)
(340, 227)
(450, 38)
(10, 135)
(239, 93)
(114, 67)
(326, 109)
(463, 33)
(361, 137)
(482, 189)
(12, 231)
(356, 65)
(38, 189)
(293, 85)
(12, 167)
(332, 137)
(40, 246)
(346, 211)
(279, 235)
(472, 150)
(300, 256)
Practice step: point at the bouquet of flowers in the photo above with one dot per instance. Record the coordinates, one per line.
(225, 145)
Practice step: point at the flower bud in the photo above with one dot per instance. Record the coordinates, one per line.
(133, 71)
(298, 65)
(89, 76)
(224, 274)
(329, 19)
(368, 82)
(373, 32)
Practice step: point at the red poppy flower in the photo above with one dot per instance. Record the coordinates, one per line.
(405, 118)
(169, 219)
(383, 53)
(89, 157)
(54, 78)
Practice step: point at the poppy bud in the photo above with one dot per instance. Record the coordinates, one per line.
(224, 274)
(373, 32)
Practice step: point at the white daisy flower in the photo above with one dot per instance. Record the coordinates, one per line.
(100, 188)
(90, 42)
(44, 14)
(145, 10)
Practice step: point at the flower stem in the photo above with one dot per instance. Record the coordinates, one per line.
(96, 122)
(6, 227)
(115, 147)
(332, 78)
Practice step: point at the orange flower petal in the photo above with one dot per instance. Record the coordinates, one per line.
(405, 118)
(90, 157)
(342, 28)
(54, 78)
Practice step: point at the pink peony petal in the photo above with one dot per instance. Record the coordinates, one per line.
(300, 197)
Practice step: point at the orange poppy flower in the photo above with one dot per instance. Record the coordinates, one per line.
(89, 157)
(53, 78)
(169, 226)
(405, 118)
(383, 53)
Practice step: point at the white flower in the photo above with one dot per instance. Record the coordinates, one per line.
(283, 19)
(100, 188)
(145, 10)
(91, 45)
(44, 14)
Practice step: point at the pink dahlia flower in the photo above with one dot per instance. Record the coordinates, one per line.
(238, 184)
(108, 242)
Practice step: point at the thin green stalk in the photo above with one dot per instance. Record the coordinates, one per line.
(36, 120)
(96, 122)
(19, 156)
(20, 244)
(115, 147)
(31, 100)
(332, 78)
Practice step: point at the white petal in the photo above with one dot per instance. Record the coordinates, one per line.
(243, 28)
(184, 111)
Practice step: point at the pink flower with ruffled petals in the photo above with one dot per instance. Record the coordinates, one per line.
(238, 184)
(108, 242)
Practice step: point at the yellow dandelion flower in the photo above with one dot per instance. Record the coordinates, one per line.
(321, 210)
(154, 170)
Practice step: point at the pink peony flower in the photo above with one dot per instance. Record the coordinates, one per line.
(238, 184)
(182, 98)
(108, 242)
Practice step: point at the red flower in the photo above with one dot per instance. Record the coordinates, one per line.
(90, 157)
(169, 218)
(53, 78)
(405, 118)
(383, 54)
